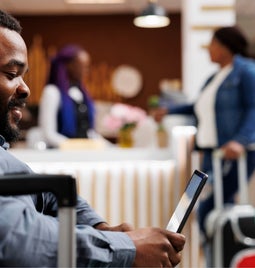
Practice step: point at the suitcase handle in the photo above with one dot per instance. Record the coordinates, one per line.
(64, 188)
(218, 155)
(218, 188)
(248, 241)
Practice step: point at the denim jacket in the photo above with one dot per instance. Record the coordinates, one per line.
(234, 104)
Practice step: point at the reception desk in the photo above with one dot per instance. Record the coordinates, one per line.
(133, 185)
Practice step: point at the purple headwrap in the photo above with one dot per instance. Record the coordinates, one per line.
(58, 76)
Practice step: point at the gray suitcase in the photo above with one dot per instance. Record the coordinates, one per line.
(231, 228)
(64, 188)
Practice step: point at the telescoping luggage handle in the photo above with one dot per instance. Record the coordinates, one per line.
(243, 195)
(64, 188)
(242, 179)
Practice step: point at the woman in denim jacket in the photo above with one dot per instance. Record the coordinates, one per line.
(225, 113)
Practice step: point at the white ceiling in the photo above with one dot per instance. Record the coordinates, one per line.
(29, 7)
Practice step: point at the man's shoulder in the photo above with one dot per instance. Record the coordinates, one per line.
(10, 164)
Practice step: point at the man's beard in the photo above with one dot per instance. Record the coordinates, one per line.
(10, 133)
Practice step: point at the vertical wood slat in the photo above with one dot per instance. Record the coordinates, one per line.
(109, 195)
(148, 198)
(121, 196)
(136, 198)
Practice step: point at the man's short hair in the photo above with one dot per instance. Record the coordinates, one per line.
(9, 22)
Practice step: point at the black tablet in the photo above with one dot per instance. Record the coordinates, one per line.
(187, 201)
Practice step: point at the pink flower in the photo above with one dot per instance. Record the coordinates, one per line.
(122, 115)
(111, 122)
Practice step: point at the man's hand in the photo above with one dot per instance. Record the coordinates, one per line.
(156, 247)
(232, 150)
(124, 227)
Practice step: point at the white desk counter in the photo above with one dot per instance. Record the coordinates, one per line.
(108, 154)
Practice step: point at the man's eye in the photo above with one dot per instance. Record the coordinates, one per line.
(10, 75)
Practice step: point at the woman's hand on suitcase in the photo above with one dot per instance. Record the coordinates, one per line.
(232, 150)
(156, 247)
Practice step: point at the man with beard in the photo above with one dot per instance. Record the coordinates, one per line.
(28, 224)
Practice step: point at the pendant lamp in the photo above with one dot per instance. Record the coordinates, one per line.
(153, 16)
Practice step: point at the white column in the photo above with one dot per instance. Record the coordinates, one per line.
(199, 19)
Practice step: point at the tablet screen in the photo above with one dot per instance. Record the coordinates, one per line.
(187, 201)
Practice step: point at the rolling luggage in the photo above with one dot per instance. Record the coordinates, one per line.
(231, 228)
(64, 188)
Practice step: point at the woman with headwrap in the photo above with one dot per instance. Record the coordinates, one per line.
(225, 113)
(66, 109)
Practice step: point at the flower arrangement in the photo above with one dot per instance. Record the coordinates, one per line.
(123, 116)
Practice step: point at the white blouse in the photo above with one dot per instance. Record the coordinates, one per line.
(205, 110)
(48, 113)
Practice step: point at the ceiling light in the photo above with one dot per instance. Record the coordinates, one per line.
(95, 1)
(153, 16)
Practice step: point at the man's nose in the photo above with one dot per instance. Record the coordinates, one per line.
(23, 90)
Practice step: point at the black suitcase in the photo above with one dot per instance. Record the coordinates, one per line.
(231, 228)
(64, 188)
